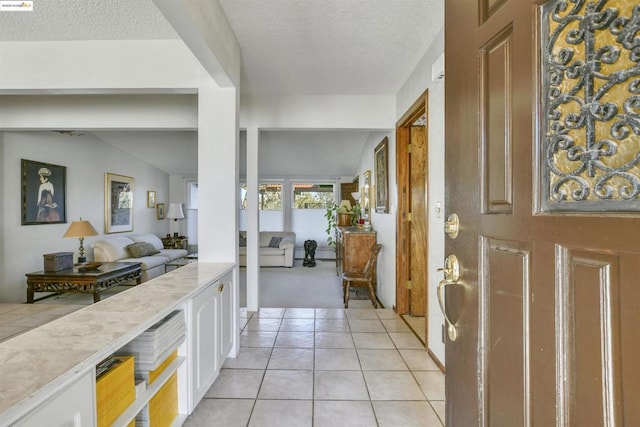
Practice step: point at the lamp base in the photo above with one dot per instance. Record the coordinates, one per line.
(82, 260)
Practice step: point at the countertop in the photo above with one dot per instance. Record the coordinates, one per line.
(36, 363)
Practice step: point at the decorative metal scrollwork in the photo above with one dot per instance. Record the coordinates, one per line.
(591, 105)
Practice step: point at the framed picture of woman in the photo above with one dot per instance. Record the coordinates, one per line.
(381, 155)
(43, 198)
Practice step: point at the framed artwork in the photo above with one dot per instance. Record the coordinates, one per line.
(118, 203)
(160, 210)
(381, 155)
(151, 199)
(365, 194)
(43, 199)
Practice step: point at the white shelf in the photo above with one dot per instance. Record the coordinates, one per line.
(130, 413)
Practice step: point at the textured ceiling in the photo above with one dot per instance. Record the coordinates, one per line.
(347, 47)
(86, 20)
(331, 46)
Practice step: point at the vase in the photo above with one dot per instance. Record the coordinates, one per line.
(344, 219)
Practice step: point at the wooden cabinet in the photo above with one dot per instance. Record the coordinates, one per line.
(353, 247)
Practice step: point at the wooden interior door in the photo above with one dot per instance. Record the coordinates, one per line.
(418, 223)
(543, 172)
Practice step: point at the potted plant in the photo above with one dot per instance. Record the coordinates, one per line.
(338, 215)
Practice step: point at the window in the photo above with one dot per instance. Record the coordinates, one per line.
(269, 196)
(312, 196)
(192, 194)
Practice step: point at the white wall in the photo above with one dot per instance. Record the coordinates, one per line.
(383, 224)
(415, 85)
(87, 159)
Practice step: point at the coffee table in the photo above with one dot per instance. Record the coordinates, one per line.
(74, 280)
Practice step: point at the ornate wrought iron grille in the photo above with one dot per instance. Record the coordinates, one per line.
(590, 151)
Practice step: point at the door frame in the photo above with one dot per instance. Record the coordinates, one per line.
(403, 268)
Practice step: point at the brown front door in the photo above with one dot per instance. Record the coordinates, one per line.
(543, 174)
(417, 225)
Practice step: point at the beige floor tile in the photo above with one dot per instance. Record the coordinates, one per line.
(295, 340)
(224, 412)
(392, 385)
(343, 414)
(381, 360)
(270, 313)
(366, 325)
(395, 325)
(287, 384)
(236, 384)
(300, 313)
(440, 408)
(386, 314)
(291, 358)
(419, 360)
(406, 340)
(249, 358)
(330, 313)
(431, 383)
(260, 324)
(332, 325)
(297, 325)
(334, 340)
(364, 303)
(336, 359)
(257, 339)
(361, 313)
(372, 340)
(405, 414)
(280, 413)
(340, 385)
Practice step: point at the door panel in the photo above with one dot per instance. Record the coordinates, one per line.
(547, 307)
(418, 225)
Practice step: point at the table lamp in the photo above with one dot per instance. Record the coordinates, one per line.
(81, 229)
(175, 213)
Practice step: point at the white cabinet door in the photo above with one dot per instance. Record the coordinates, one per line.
(204, 349)
(74, 406)
(226, 326)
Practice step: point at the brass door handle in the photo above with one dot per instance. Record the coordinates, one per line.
(221, 287)
(451, 276)
(452, 332)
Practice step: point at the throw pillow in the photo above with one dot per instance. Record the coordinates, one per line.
(275, 242)
(140, 249)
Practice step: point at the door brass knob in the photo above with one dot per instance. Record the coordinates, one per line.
(451, 271)
(452, 226)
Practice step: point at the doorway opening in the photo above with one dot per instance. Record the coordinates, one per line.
(412, 239)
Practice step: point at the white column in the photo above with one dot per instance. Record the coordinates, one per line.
(217, 174)
(253, 221)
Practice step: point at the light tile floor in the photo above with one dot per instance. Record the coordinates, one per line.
(325, 367)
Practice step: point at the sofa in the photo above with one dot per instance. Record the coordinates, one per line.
(146, 249)
(276, 248)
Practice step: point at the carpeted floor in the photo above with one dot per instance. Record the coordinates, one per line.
(303, 287)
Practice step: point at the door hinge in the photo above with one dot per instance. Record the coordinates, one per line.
(408, 148)
(409, 217)
(408, 284)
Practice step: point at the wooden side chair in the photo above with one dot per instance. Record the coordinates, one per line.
(364, 278)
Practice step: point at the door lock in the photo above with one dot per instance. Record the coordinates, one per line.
(452, 226)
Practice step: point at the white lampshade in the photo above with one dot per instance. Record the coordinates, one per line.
(356, 195)
(175, 211)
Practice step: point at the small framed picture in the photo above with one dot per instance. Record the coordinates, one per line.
(160, 210)
(151, 199)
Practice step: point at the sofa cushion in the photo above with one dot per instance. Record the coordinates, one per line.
(147, 262)
(149, 238)
(140, 249)
(287, 243)
(275, 242)
(172, 254)
(114, 247)
(271, 252)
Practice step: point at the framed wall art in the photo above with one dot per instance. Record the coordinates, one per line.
(118, 203)
(160, 211)
(43, 198)
(381, 155)
(151, 199)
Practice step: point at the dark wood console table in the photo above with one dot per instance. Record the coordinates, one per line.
(89, 282)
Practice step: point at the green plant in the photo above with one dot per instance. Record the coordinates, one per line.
(330, 215)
